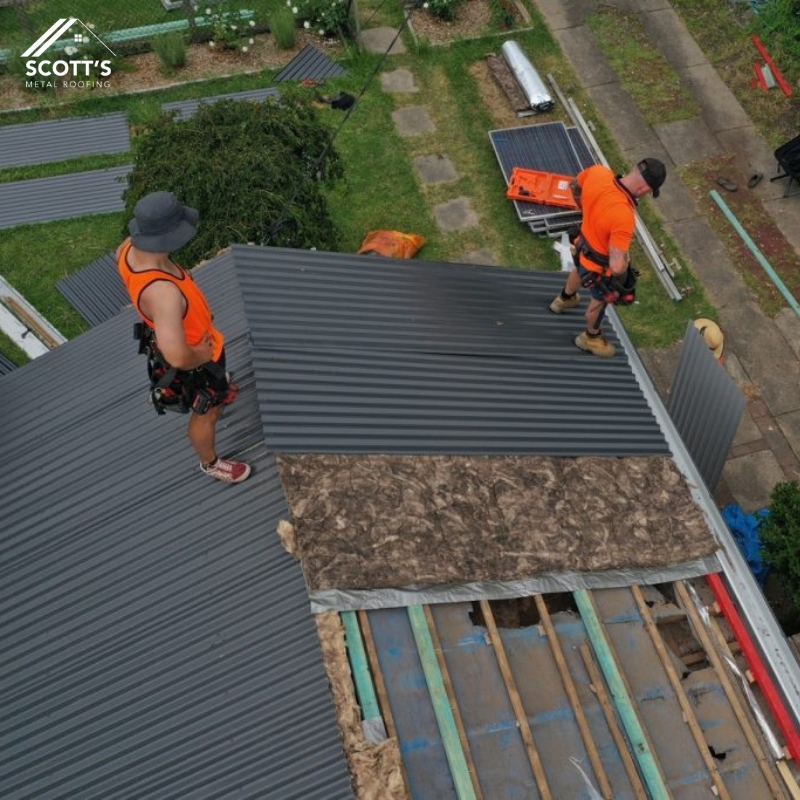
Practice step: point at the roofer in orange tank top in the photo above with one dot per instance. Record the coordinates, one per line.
(186, 353)
(602, 260)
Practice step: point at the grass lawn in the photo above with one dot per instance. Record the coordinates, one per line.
(381, 188)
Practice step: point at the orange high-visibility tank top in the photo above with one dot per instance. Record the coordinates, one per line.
(197, 319)
(609, 218)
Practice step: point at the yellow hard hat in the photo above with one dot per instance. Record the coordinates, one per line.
(712, 335)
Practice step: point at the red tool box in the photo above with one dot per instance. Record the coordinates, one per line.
(548, 188)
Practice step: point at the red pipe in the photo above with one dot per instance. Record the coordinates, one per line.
(760, 673)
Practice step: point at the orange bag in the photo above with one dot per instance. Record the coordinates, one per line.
(392, 244)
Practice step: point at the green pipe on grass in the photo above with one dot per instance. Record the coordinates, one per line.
(648, 766)
(756, 252)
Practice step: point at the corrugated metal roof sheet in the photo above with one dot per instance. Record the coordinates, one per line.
(157, 640)
(6, 365)
(310, 63)
(96, 292)
(365, 354)
(61, 139)
(78, 194)
(186, 108)
(706, 406)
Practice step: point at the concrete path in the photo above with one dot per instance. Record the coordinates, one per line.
(761, 354)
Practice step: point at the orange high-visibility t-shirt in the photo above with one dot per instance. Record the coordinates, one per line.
(197, 319)
(609, 218)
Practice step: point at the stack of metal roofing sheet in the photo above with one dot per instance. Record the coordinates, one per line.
(188, 108)
(62, 139)
(546, 147)
(79, 194)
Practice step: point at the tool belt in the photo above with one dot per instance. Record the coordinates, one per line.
(599, 262)
(173, 389)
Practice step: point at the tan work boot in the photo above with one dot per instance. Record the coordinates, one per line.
(559, 305)
(596, 345)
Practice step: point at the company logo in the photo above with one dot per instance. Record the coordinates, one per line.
(73, 71)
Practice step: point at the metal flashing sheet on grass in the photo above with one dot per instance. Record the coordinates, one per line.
(61, 139)
(79, 194)
(311, 64)
(183, 109)
(96, 292)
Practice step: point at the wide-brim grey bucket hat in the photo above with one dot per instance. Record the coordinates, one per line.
(161, 224)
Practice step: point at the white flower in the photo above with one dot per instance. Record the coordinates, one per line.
(211, 43)
(424, 5)
(252, 41)
(70, 51)
(294, 9)
(321, 32)
(306, 24)
(90, 26)
(208, 12)
(233, 27)
(252, 23)
(244, 48)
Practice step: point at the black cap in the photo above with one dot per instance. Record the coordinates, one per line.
(654, 172)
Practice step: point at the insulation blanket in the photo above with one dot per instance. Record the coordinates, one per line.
(377, 522)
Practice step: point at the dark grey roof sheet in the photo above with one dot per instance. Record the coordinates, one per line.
(310, 63)
(96, 292)
(61, 139)
(6, 365)
(157, 640)
(78, 194)
(366, 354)
(187, 108)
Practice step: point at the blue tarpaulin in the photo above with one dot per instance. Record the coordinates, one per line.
(744, 528)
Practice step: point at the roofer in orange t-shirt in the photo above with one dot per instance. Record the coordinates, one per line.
(602, 260)
(185, 352)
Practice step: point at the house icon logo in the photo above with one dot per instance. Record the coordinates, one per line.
(78, 68)
(57, 30)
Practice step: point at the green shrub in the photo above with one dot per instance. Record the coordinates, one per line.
(443, 9)
(780, 535)
(282, 26)
(255, 171)
(326, 17)
(171, 51)
(229, 29)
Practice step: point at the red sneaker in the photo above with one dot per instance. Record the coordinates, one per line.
(223, 469)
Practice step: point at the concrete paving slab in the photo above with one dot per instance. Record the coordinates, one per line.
(747, 432)
(751, 478)
(456, 215)
(565, 13)
(708, 259)
(482, 256)
(765, 356)
(688, 140)
(667, 31)
(788, 324)
(622, 117)
(721, 109)
(581, 48)
(790, 428)
(435, 169)
(379, 40)
(738, 374)
(412, 121)
(399, 80)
